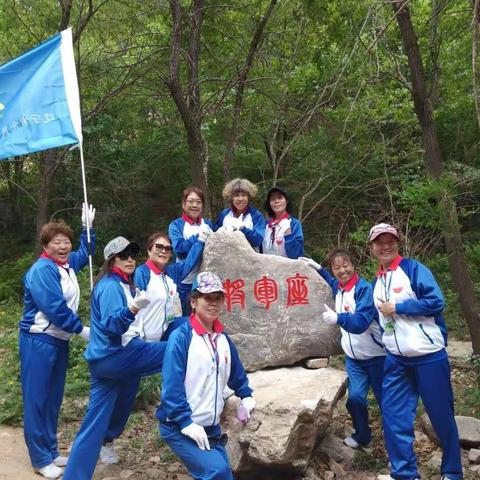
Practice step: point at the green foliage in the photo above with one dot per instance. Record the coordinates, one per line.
(11, 409)
(11, 274)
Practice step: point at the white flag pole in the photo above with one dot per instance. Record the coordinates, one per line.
(85, 199)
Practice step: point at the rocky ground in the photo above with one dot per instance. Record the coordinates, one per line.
(144, 456)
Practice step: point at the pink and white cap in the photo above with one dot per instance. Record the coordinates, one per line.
(380, 228)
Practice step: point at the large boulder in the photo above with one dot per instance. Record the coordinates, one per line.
(274, 304)
(294, 410)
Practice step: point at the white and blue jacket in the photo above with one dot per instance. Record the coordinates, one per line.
(254, 222)
(361, 333)
(161, 287)
(52, 295)
(276, 243)
(110, 318)
(183, 233)
(418, 324)
(196, 368)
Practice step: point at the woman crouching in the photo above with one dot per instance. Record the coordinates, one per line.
(200, 361)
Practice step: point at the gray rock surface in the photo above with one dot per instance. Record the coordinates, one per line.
(316, 363)
(294, 409)
(474, 455)
(468, 431)
(274, 304)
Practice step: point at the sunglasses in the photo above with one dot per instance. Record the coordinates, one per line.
(163, 248)
(128, 253)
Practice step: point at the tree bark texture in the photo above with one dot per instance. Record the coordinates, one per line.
(434, 165)
(233, 133)
(188, 100)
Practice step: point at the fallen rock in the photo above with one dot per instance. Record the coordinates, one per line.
(468, 431)
(314, 363)
(294, 409)
(337, 470)
(155, 473)
(126, 473)
(273, 304)
(333, 448)
(154, 459)
(426, 426)
(474, 455)
(459, 350)
(435, 461)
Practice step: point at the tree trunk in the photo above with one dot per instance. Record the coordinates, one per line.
(48, 164)
(188, 102)
(233, 133)
(434, 165)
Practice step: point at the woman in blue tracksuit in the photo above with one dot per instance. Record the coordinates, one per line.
(49, 319)
(361, 338)
(155, 322)
(283, 233)
(199, 362)
(241, 216)
(185, 232)
(116, 355)
(410, 307)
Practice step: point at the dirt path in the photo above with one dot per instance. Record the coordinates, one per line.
(14, 463)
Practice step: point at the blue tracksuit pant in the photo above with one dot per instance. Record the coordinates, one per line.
(404, 382)
(43, 367)
(202, 464)
(363, 374)
(129, 388)
(110, 378)
(184, 291)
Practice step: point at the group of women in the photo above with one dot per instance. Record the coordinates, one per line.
(393, 335)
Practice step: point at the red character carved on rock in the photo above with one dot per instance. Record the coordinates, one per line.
(297, 290)
(265, 291)
(234, 294)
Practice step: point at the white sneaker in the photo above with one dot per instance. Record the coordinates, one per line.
(388, 477)
(351, 442)
(108, 454)
(60, 461)
(50, 471)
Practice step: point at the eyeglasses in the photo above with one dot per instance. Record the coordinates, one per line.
(194, 202)
(128, 253)
(163, 248)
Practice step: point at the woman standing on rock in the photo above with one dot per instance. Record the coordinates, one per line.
(361, 338)
(283, 233)
(241, 215)
(49, 319)
(410, 307)
(185, 232)
(200, 362)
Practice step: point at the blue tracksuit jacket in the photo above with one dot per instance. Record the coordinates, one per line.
(255, 229)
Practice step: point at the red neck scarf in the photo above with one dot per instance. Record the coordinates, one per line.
(62, 264)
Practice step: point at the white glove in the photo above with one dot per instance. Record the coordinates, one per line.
(85, 333)
(329, 317)
(197, 434)
(141, 300)
(311, 263)
(205, 227)
(88, 213)
(237, 223)
(285, 224)
(247, 405)
(203, 235)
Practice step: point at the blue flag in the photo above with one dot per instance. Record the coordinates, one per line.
(39, 101)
